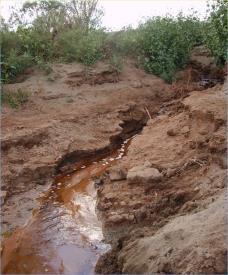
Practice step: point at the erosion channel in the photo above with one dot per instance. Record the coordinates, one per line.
(64, 236)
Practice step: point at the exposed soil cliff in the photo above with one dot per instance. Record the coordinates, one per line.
(166, 213)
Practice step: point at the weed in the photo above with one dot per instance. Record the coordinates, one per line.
(14, 99)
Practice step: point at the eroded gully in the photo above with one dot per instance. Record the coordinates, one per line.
(64, 236)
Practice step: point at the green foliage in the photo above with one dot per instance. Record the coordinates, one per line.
(165, 44)
(84, 47)
(50, 30)
(116, 62)
(36, 43)
(14, 99)
(41, 25)
(216, 31)
(45, 67)
(124, 42)
(14, 64)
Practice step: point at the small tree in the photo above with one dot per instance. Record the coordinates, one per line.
(85, 13)
(46, 15)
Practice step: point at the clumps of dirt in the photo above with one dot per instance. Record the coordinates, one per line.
(27, 141)
(175, 167)
(93, 77)
(201, 73)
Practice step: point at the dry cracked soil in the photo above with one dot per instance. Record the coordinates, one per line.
(152, 197)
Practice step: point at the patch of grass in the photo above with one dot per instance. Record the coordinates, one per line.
(14, 99)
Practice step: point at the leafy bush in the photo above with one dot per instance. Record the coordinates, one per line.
(14, 99)
(36, 43)
(165, 43)
(85, 47)
(216, 31)
(13, 65)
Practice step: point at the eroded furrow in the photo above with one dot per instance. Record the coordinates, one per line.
(64, 234)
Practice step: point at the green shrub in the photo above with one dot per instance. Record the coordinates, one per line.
(13, 65)
(37, 43)
(165, 44)
(84, 47)
(216, 31)
(10, 40)
(14, 99)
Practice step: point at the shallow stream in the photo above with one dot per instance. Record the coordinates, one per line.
(64, 236)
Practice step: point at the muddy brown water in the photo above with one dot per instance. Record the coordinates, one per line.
(64, 236)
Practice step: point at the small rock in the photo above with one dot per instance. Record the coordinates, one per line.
(171, 132)
(116, 174)
(143, 174)
(123, 203)
(115, 218)
(170, 172)
(185, 130)
(137, 84)
(203, 132)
